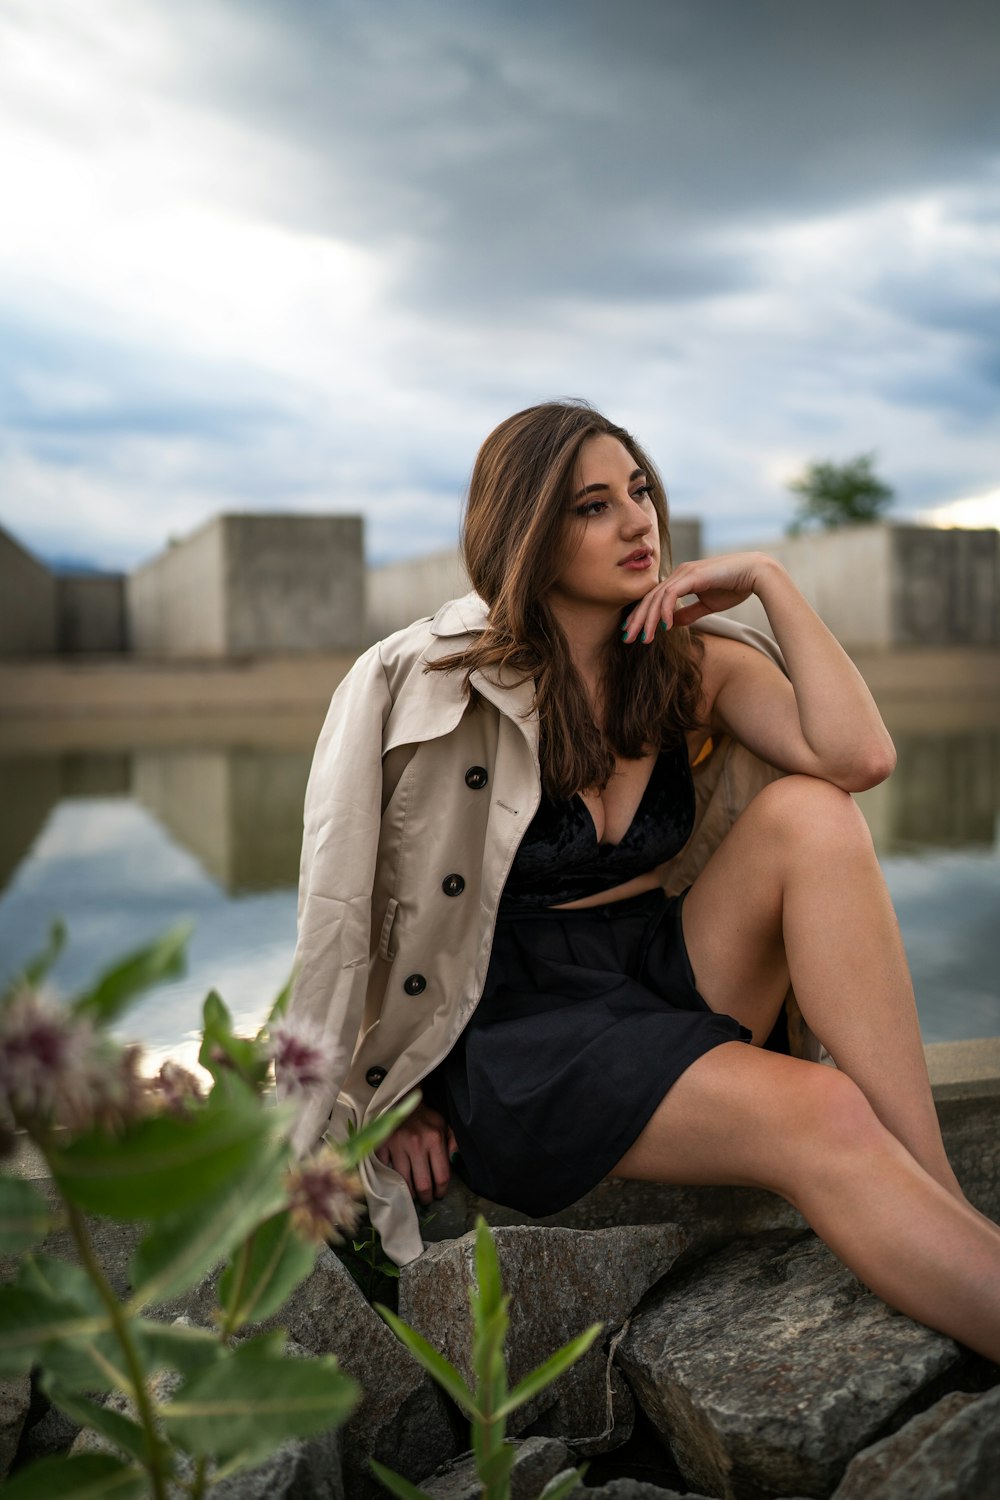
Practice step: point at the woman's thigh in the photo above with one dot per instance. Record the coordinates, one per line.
(742, 1117)
(733, 913)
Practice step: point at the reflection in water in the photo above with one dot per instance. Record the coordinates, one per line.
(239, 811)
(943, 794)
(205, 832)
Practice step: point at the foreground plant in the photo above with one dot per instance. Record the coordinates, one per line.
(211, 1175)
(490, 1404)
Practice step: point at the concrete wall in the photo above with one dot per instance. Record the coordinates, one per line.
(882, 586)
(401, 592)
(245, 585)
(27, 601)
(175, 604)
(293, 583)
(945, 587)
(90, 610)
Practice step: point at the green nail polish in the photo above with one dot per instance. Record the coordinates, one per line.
(643, 635)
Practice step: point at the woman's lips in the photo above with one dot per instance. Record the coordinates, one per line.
(637, 563)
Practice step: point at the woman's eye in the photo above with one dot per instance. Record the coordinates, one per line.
(643, 492)
(591, 507)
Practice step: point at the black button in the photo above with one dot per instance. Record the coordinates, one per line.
(453, 885)
(374, 1076)
(476, 777)
(414, 984)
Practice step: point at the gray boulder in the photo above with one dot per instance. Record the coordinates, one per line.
(561, 1280)
(403, 1420)
(769, 1365)
(15, 1399)
(536, 1461)
(951, 1452)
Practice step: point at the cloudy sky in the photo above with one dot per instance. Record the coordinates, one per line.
(303, 255)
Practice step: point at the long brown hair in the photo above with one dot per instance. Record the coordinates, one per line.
(513, 543)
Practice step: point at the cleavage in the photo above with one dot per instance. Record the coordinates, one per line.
(630, 791)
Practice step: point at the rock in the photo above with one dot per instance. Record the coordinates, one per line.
(767, 1366)
(15, 1400)
(712, 1214)
(951, 1452)
(403, 1419)
(536, 1461)
(51, 1433)
(562, 1280)
(113, 1243)
(631, 1489)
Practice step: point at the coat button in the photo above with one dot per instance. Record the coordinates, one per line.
(374, 1076)
(453, 885)
(414, 984)
(476, 777)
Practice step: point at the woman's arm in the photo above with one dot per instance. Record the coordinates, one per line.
(823, 721)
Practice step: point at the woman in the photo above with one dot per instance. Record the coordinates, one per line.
(484, 912)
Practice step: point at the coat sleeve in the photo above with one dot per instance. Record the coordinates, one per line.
(341, 820)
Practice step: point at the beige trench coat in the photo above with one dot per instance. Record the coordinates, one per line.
(415, 806)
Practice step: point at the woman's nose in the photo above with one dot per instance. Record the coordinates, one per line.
(636, 521)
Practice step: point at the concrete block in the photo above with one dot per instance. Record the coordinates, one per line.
(91, 612)
(27, 601)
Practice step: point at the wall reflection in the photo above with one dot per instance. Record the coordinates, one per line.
(944, 793)
(238, 809)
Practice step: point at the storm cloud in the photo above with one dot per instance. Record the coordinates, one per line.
(304, 255)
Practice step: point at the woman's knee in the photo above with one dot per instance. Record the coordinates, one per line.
(803, 812)
(839, 1134)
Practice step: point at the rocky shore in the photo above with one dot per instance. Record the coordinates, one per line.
(740, 1360)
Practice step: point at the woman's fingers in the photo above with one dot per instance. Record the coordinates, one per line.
(417, 1151)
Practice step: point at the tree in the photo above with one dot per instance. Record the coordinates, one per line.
(839, 494)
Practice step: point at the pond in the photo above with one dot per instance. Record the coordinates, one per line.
(123, 842)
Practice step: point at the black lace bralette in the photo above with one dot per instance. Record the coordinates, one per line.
(560, 858)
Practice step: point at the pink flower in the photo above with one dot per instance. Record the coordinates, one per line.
(176, 1088)
(301, 1059)
(323, 1196)
(56, 1069)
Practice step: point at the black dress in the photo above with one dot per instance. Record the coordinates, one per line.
(587, 1016)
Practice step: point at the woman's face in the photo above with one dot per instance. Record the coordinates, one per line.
(612, 542)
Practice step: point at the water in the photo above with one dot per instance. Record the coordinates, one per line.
(123, 843)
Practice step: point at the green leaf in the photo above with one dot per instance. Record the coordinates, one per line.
(487, 1268)
(121, 1431)
(278, 1261)
(181, 1248)
(361, 1143)
(52, 1309)
(251, 1403)
(129, 977)
(223, 1053)
(396, 1484)
(36, 968)
(173, 1346)
(91, 1476)
(434, 1363)
(24, 1215)
(553, 1367)
(564, 1483)
(165, 1164)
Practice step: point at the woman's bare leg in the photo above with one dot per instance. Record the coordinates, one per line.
(794, 893)
(741, 1116)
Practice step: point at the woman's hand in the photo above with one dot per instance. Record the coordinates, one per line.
(717, 582)
(419, 1150)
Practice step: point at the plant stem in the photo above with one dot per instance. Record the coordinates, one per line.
(198, 1482)
(123, 1333)
(231, 1320)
